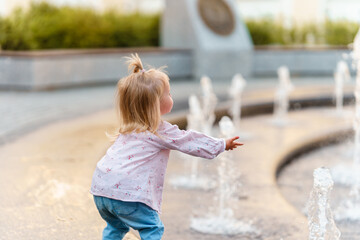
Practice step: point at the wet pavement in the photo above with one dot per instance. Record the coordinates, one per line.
(46, 173)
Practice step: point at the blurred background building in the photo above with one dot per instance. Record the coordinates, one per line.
(289, 11)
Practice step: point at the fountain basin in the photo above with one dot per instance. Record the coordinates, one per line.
(80, 149)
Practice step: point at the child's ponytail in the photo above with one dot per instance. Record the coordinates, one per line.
(135, 64)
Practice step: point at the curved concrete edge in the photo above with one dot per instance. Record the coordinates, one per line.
(305, 145)
(308, 144)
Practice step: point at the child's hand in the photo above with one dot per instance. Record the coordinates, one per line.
(231, 144)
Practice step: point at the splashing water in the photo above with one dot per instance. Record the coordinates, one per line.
(356, 123)
(223, 222)
(237, 87)
(349, 175)
(226, 186)
(341, 75)
(320, 217)
(349, 209)
(227, 128)
(195, 118)
(196, 121)
(209, 104)
(281, 101)
(221, 226)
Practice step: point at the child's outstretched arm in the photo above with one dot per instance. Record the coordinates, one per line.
(192, 142)
(231, 144)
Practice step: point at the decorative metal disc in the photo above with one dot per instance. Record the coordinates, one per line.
(217, 15)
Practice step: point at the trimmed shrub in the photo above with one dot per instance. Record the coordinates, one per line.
(340, 32)
(267, 31)
(45, 26)
(14, 32)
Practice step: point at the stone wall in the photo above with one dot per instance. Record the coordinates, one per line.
(41, 70)
(300, 61)
(38, 70)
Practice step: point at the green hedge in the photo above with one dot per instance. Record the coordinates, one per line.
(45, 26)
(267, 31)
(340, 32)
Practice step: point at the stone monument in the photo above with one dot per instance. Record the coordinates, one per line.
(214, 31)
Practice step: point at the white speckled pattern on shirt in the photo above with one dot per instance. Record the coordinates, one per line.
(133, 168)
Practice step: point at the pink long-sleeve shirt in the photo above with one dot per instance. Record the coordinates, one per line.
(133, 168)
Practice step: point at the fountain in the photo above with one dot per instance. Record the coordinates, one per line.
(223, 222)
(341, 75)
(209, 104)
(195, 121)
(343, 173)
(356, 125)
(320, 218)
(195, 118)
(349, 209)
(237, 87)
(356, 122)
(281, 101)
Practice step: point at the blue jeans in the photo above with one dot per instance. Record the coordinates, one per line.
(120, 216)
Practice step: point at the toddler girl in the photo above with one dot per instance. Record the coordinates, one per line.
(128, 181)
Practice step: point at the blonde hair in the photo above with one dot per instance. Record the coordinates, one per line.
(138, 98)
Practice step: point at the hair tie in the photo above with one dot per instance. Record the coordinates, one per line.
(142, 70)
